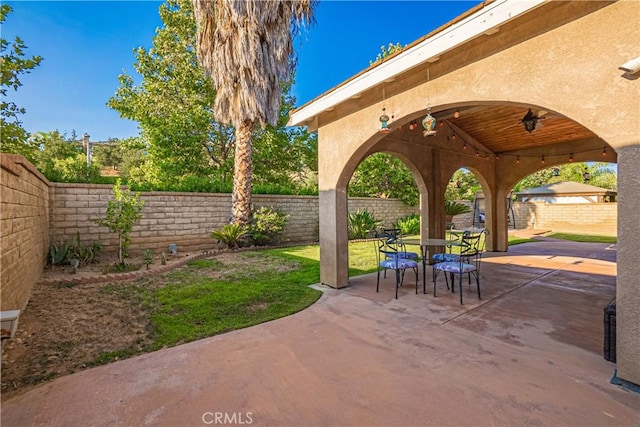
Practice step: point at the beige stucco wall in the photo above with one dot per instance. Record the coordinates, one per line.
(24, 215)
(563, 57)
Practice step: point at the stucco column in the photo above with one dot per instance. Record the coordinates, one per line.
(627, 289)
(334, 244)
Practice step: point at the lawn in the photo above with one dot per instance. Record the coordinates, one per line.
(583, 237)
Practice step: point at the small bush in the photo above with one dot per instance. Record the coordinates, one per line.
(409, 224)
(361, 223)
(230, 235)
(267, 226)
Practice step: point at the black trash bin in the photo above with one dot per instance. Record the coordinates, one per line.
(610, 332)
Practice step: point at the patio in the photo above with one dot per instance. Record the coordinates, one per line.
(529, 353)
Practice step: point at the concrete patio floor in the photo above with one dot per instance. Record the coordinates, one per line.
(528, 354)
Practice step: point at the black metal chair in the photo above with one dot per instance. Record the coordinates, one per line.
(394, 236)
(389, 257)
(466, 262)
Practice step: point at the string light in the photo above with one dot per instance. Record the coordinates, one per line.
(456, 114)
(477, 153)
(570, 157)
(453, 137)
(518, 160)
(604, 152)
(542, 160)
(464, 146)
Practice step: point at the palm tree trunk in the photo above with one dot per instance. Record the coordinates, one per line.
(243, 175)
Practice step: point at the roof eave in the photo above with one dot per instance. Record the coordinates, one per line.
(485, 20)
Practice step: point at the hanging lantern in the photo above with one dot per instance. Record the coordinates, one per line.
(586, 175)
(384, 120)
(530, 121)
(429, 124)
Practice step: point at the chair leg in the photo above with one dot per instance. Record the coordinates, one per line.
(416, 270)
(435, 276)
(460, 280)
(478, 284)
(397, 282)
(378, 283)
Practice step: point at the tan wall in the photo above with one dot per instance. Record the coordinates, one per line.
(583, 218)
(187, 219)
(24, 215)
(580, 218)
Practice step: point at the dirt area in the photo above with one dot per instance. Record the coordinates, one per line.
(71, 324)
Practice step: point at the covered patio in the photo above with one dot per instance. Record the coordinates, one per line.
(530, 353)
(512, 87)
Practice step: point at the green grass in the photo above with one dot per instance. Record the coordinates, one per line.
(209, 297)
(193, 305)
(583, 237)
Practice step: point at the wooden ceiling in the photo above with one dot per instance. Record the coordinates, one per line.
(500, 127)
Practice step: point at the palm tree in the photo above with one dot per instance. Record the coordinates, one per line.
(246, 47)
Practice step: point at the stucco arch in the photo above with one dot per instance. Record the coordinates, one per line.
(557, 56)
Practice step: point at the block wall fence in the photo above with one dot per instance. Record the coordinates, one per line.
(24, 225)
(35, 212)
(187, 219)
(580, 218)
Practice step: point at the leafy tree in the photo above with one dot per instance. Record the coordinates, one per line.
(13, 63)
(108, 154)
(600, 175)
(462, 186)
(61, 159)
(384, 175)
(247, 49)
(173, 102)
(122, 213)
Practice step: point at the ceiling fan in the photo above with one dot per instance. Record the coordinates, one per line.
(530, 121)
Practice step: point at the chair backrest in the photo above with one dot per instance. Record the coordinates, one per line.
(392, 234)
(387, 244)
(470, 244)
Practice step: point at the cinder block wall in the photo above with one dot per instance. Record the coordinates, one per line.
(187, 219)
(583, 218)
(24, 219)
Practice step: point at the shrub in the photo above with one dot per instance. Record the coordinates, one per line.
(230, 235)
(267, 226)
(409, 224)
(361, 223)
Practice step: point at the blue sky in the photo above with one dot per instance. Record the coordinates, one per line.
(86, 44)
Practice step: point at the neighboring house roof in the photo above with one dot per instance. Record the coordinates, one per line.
(567, 188)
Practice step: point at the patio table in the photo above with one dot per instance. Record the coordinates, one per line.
(424, 253)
